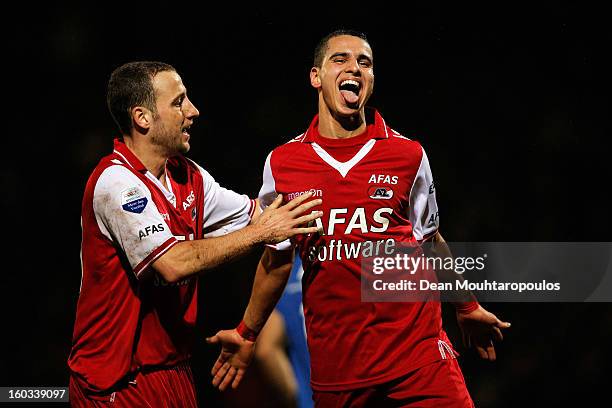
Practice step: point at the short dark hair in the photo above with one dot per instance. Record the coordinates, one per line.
(132, 85)
(321, 47)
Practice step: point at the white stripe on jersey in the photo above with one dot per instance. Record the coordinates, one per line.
(344, 168)
(423, 204)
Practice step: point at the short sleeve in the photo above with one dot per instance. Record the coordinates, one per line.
(225, 211)
(423, 212)
(126, 214)
(267, 194)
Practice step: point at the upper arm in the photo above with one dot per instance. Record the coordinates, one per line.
(423, 210)
(126, 214)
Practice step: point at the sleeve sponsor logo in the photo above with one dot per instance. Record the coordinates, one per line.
(380, 192)
(150, 230)
(133, 200)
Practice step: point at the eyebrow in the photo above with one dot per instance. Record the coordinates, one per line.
(179, 96)
(346, 54)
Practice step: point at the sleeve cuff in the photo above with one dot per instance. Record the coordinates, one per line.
(466, 307)
(159, 251)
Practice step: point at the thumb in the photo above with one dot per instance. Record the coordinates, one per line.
(501, 325)
(213, 340)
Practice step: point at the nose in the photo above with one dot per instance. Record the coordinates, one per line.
(191, 111)
(352, 66)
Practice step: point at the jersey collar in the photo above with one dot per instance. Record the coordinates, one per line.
(376, 128)
(128, 157)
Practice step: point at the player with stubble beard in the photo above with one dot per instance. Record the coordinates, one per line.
(152, 221)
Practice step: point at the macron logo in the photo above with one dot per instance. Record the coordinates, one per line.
(315, 193)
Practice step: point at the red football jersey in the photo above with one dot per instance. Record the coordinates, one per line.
(128, 317)
(375, 187)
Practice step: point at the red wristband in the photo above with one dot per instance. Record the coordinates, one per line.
(246, 333)
(466, 307)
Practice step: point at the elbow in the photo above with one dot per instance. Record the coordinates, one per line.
(168, 270)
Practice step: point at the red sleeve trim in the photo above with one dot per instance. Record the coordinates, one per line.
(466, 307)
(246, 333)
(159, 251)
(252, 209)
(428, 236)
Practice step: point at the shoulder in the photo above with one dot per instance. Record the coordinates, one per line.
(402, 144)
(290, 146)
(280, 154)
(118, 180)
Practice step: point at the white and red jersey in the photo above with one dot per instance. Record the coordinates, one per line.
(376, 187)
(128, 317)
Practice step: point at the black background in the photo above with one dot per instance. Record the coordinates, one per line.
(512, 105)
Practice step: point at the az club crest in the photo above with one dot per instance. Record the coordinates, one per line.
(380, 192)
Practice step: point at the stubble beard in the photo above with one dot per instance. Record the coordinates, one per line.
(169, 141)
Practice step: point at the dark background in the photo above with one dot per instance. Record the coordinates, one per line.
(511, 104)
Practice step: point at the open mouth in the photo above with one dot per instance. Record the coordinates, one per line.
(350, 91)
(185, 130)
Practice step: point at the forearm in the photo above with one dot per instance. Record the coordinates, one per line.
(270, 279)
(190, 257)
(440, 249)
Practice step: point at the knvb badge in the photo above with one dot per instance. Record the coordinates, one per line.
(133, 200)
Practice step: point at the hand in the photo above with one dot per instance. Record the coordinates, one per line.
(236, 355)
(281, 222)
(479, 328)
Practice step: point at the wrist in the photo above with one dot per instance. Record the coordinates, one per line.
(466, 307)
(246, 333)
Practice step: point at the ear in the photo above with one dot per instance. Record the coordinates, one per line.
(315, 79)
(141, 117)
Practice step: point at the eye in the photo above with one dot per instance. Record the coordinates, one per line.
(365, 63)
(179, 101)
(339, 60)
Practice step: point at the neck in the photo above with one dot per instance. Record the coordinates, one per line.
(334, 126)
(151, 158)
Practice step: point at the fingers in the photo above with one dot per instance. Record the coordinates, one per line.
(277, 202)
(220, 374)
(486, 350)
(482, 352)
(307, 218)
(238, 378)
(213, 340)
(217, 366)
(299, 200)
(498, 334)
(491, 352)
(229, 377)
(305, 230)
(301, 209)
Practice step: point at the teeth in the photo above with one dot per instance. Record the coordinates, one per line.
(349, 82)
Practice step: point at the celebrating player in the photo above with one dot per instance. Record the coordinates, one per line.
(145, 212)
(377, 187)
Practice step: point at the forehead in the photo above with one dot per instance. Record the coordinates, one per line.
(348, 44)
(167, 83)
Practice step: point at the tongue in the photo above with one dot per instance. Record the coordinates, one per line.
(350, 96)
